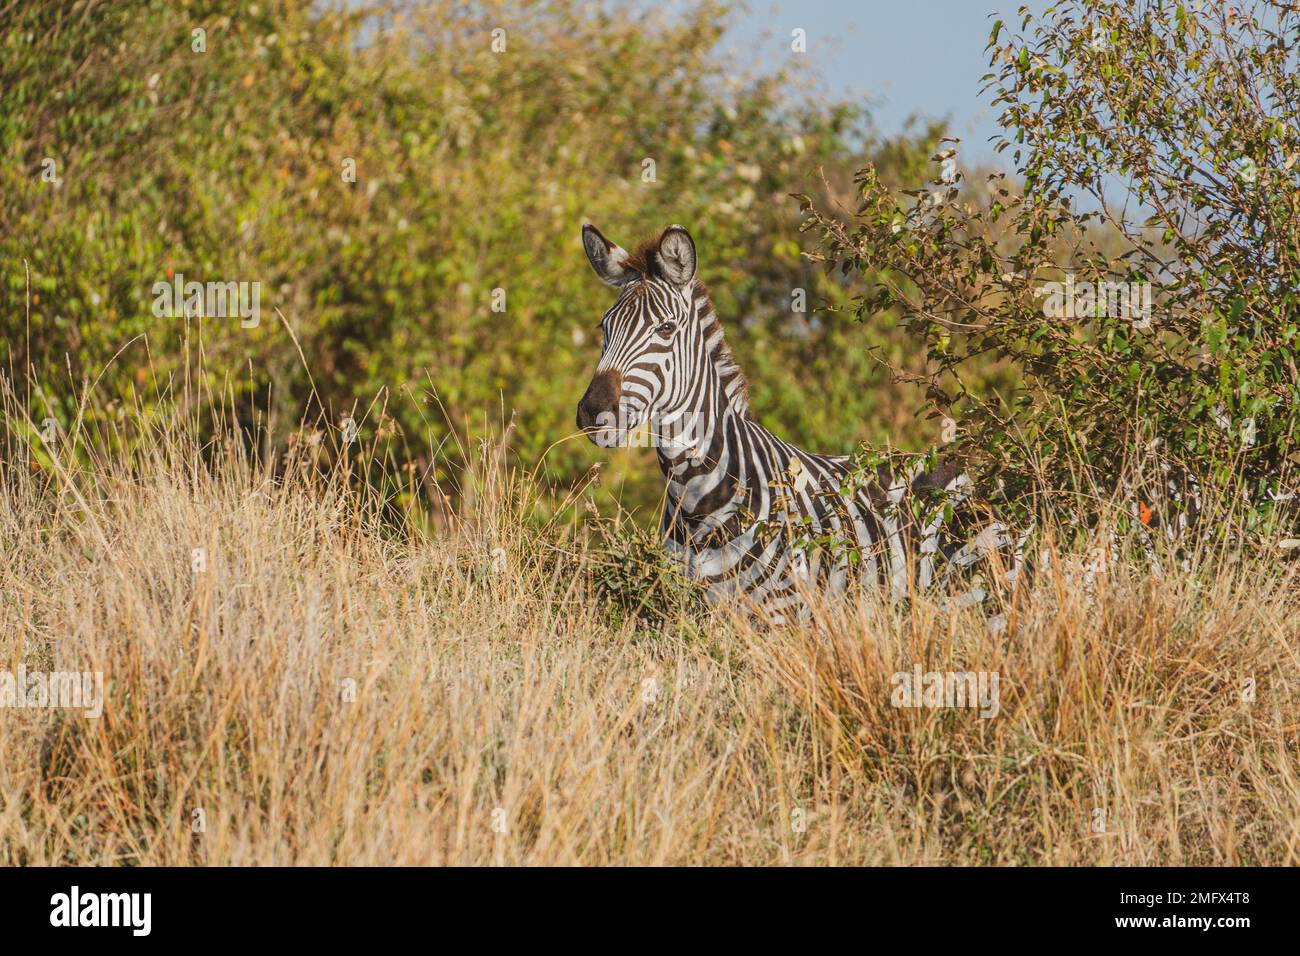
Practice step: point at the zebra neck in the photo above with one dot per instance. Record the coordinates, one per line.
(705, 480)
(705, 475)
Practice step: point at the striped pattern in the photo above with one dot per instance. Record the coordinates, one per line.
(747, 513)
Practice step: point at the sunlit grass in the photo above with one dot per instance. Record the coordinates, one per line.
(339, 687)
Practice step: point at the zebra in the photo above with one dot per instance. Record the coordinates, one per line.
(749, 515)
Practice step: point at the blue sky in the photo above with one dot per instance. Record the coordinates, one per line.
(899, 57)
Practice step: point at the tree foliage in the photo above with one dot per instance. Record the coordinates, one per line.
(1156, 148)
(481, 136)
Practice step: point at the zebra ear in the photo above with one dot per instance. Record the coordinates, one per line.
(677, 255)
(609, 259)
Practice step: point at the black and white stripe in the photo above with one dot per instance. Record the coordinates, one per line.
(747, 513)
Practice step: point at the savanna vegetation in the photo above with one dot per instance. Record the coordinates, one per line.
(1140, 270)
(408, 187)
(320, 687)
(444, 636)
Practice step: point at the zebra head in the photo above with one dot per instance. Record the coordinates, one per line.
(653, 347)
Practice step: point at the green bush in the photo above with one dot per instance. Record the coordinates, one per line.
(1156, 144)
(474, 169)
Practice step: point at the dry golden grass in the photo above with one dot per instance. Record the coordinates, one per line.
(511, 716)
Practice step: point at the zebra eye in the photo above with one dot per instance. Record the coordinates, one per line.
(666, 329)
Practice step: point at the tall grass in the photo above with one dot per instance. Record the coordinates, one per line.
(343, 683)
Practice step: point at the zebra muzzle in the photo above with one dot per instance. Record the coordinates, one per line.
(600, 401)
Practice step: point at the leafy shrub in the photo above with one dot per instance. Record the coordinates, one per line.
(1157, 144)
(474, 168)
(635, 577)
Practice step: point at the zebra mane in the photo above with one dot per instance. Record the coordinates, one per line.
(730, 377)
(644, 260)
